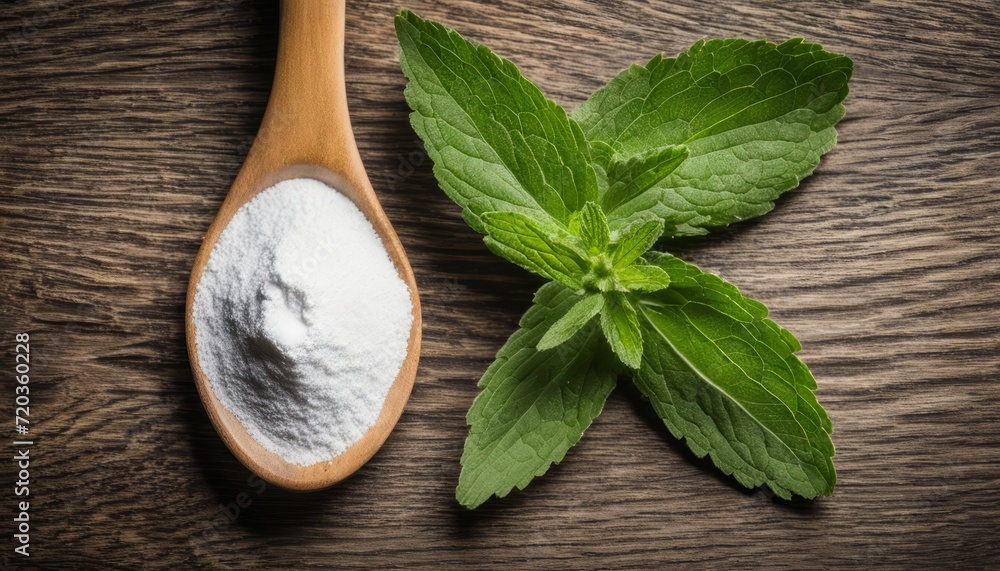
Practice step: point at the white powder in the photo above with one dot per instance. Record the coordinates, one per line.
(301, 321)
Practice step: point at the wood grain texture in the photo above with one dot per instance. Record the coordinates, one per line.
(123, 124)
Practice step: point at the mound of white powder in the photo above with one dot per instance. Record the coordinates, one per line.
(301, 320)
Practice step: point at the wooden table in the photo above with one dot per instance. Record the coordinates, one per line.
(122, 125)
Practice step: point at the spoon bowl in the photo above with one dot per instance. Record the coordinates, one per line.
(306, 133)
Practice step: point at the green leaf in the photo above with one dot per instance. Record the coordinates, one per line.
(540, 247)
(535, 404)
(677, 146)
(640, 277)
(755, 116)
(497, 143)
(630, 177)
(726, 379)
(635, 241)
(621, 328)
(579, 315)
(594, 228)
(602, 155)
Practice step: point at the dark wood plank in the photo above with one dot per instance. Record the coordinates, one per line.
(122, 125)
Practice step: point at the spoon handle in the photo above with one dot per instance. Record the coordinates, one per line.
(307, 120)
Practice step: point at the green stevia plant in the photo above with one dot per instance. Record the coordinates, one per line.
(675, 147)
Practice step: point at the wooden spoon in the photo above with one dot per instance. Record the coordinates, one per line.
(306, 133)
